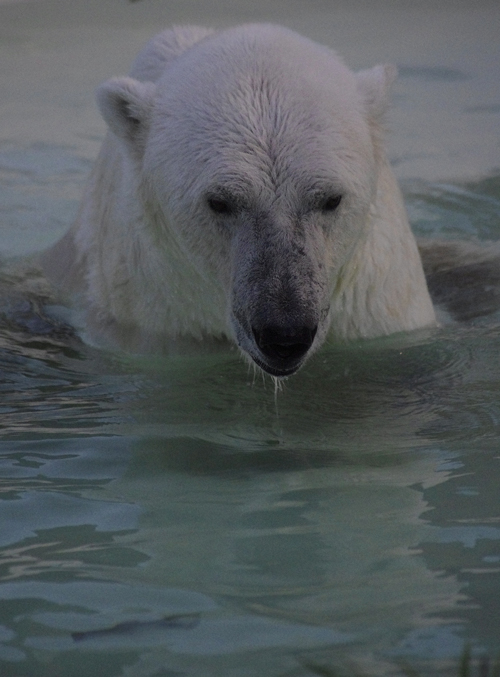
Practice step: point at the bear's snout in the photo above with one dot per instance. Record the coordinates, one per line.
(284, 346)
(277, 303)
(280, 348)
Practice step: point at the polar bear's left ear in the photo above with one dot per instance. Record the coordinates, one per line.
(125, 105)
(374, 85)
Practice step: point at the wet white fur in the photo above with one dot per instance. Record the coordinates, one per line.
(145, 260)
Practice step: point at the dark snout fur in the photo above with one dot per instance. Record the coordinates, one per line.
(278, 294)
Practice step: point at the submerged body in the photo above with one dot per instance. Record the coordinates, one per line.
(243, 193)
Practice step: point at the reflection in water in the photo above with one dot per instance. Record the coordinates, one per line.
(47, 391)
(466, 539)
(316, 519)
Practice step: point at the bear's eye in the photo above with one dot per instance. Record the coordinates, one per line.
(331, 203)
(219, 205)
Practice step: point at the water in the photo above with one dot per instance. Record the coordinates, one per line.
(179, 517)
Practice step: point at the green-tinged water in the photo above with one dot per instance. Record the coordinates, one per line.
(168, 517)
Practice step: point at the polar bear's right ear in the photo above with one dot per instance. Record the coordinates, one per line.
(125, 105)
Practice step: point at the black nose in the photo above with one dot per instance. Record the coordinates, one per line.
(284, 343)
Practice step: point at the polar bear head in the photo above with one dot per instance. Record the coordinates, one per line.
(258, 151)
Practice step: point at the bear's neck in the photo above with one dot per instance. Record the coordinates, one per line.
(382, 288)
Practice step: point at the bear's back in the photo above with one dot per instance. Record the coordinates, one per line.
(161, 50)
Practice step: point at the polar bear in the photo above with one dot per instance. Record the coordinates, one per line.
(242, 193)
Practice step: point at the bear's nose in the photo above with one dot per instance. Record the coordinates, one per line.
(284, 343)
